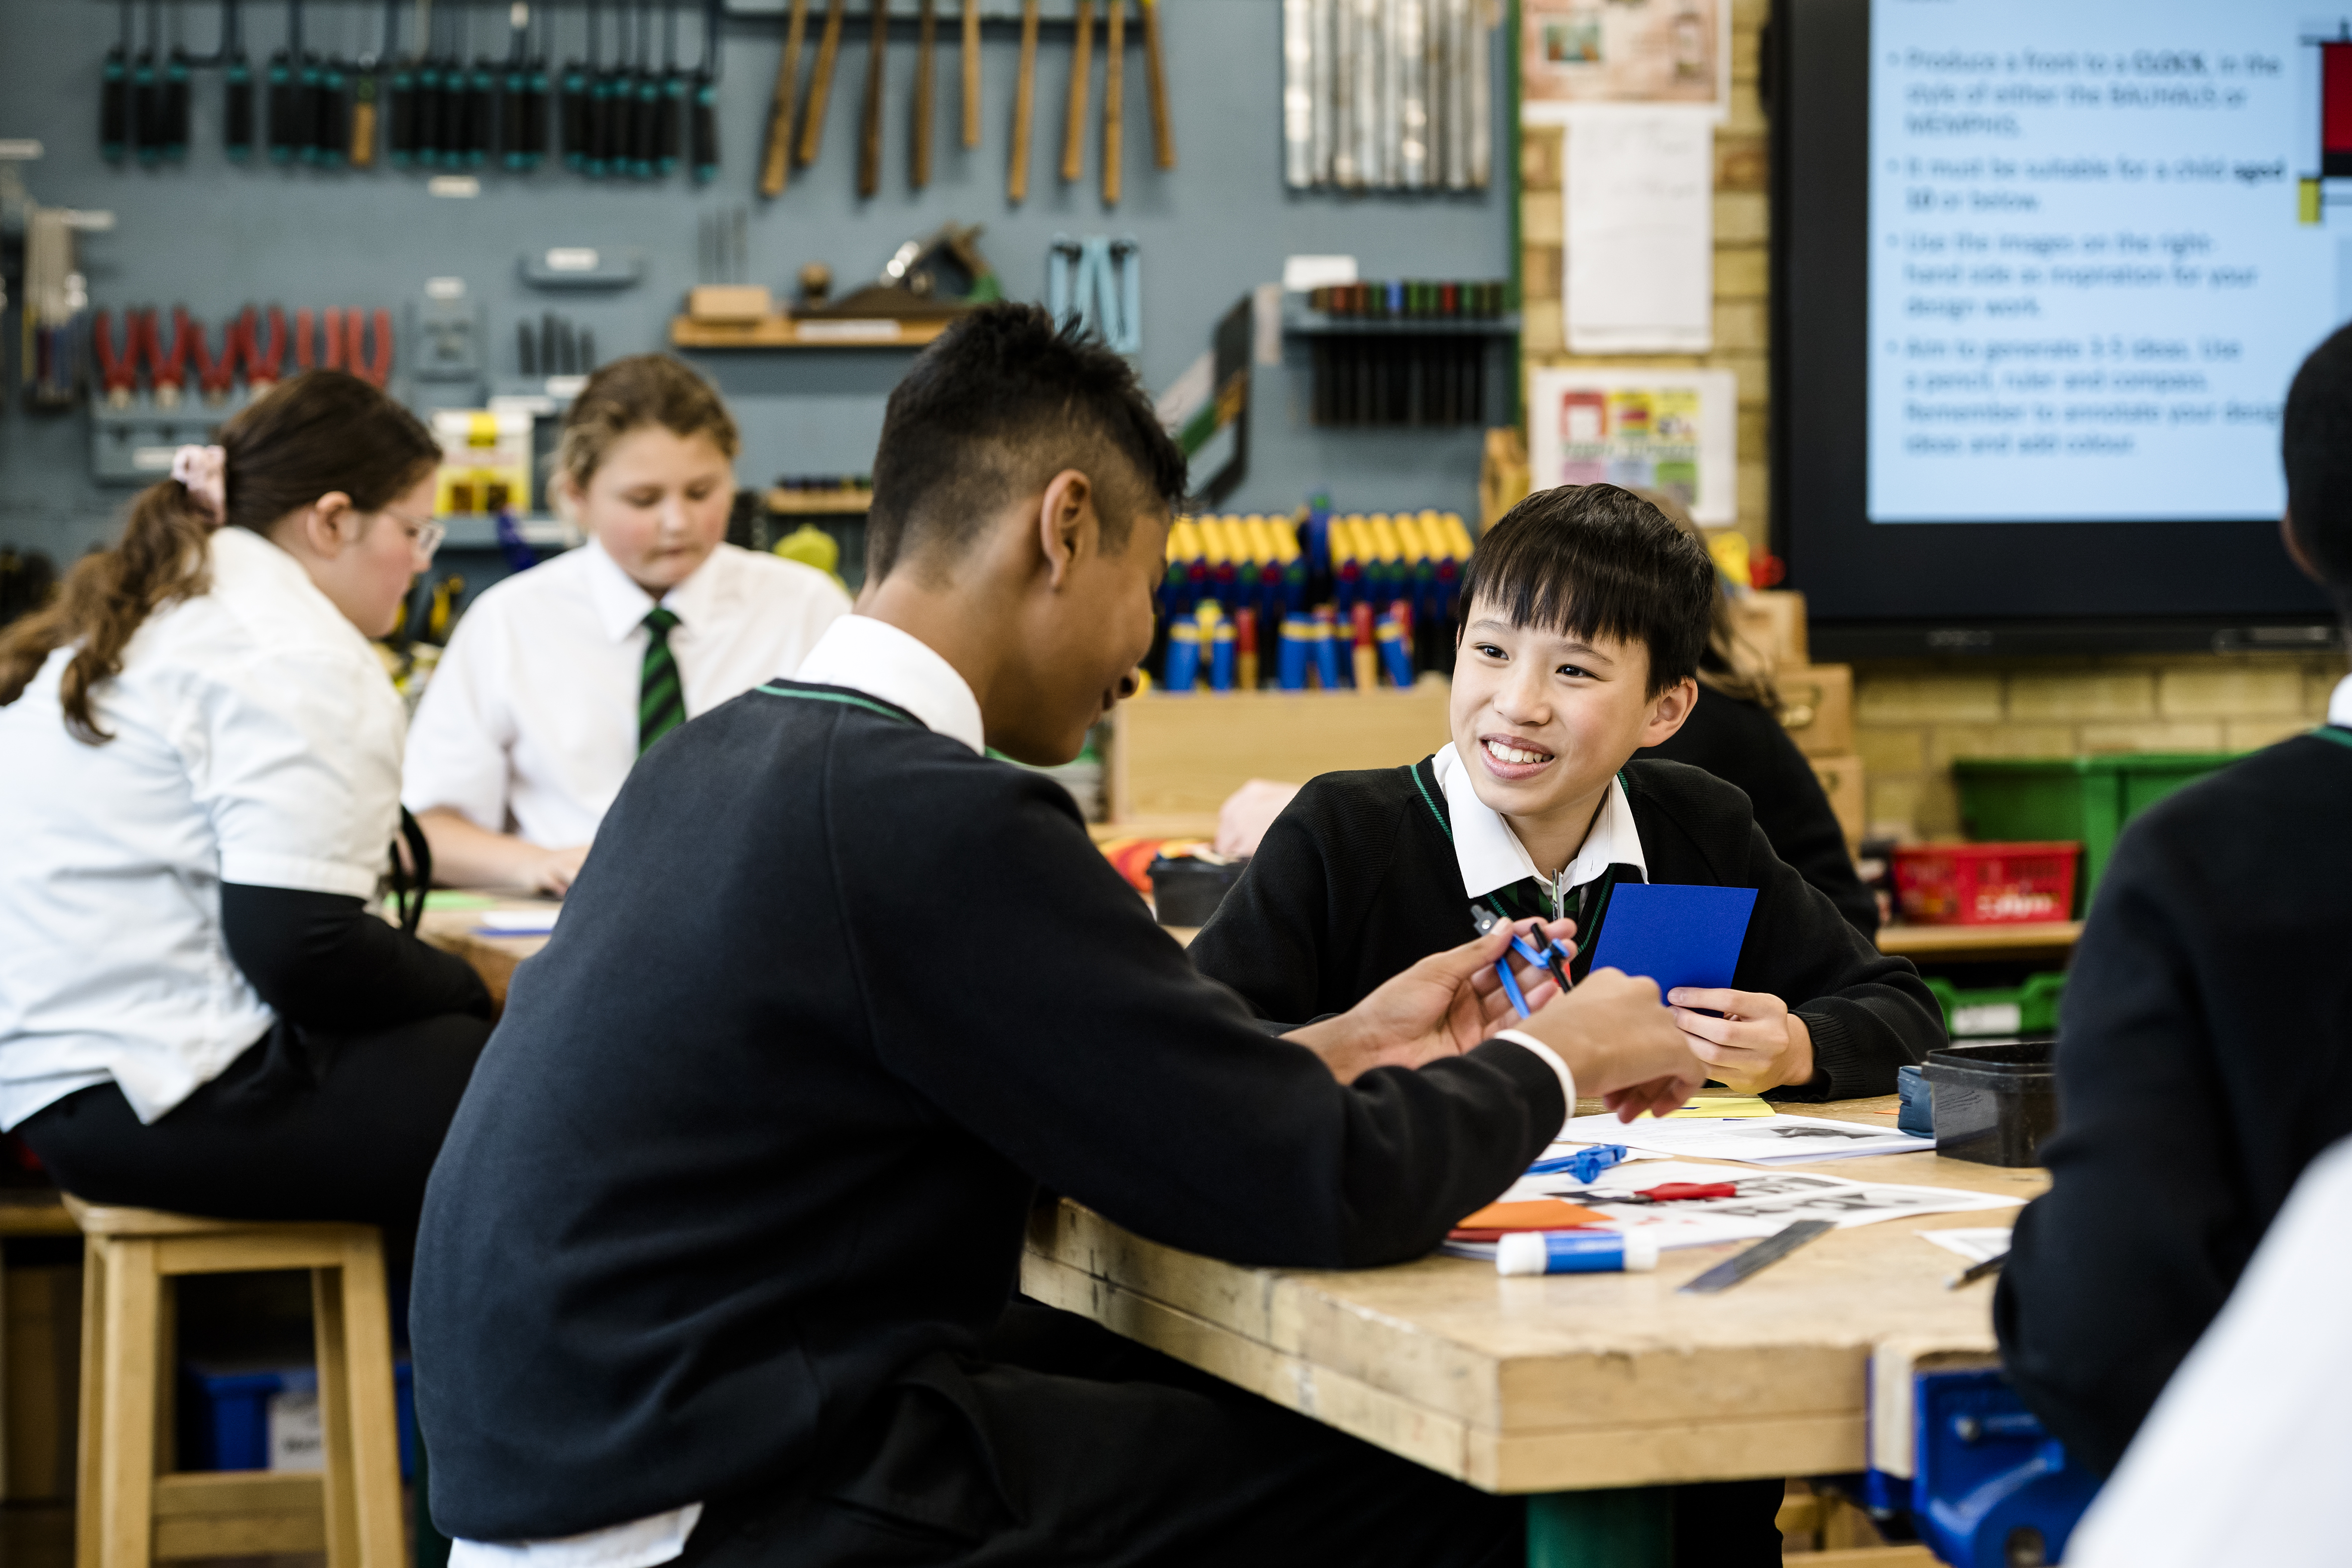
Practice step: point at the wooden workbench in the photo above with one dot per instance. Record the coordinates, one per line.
(493, 958)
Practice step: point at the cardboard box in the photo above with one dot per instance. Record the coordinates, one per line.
(1817, 708)
(1841, 778)
(1774, 619)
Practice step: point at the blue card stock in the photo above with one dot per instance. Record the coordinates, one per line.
(1676, 934)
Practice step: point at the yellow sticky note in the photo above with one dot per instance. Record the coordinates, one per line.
(1722, 1107)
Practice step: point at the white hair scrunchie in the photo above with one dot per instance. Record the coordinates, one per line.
(203, 472)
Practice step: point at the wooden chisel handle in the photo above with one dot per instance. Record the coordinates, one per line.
(1025, 102)
(776, 162)
(1155, 81)
(1114, 95)
(828, 48)
(972, 73)
(1074, 131)
(869, 142)
(919, 169)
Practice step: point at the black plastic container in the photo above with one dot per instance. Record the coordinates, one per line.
(1995, 1102)
(1186, 892)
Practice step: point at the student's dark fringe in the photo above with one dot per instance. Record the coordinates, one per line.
(320, 432)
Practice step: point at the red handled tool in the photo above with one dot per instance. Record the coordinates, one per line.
(118, 372)
(378, 369)
(170, 371)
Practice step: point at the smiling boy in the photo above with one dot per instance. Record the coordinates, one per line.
(1585, 612)
(717, 1260)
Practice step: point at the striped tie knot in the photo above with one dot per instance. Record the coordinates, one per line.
(661, 698)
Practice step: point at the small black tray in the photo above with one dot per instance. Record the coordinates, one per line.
(1996, 1102)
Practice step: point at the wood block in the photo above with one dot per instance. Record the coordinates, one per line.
(1774, 619)
(1817, 708)
(731, 304)
(1842, 780)
(1183, 755)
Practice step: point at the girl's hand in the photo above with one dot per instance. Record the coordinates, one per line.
(1757, 1044)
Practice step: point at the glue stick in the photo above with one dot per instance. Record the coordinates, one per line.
(1574, 1252)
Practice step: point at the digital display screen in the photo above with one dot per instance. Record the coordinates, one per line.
(2102, 235)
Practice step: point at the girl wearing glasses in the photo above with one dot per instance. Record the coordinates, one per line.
(200, 772)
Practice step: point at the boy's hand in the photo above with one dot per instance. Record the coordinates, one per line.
(1620, 1044)
(1758, 1044)
(1441, 1006)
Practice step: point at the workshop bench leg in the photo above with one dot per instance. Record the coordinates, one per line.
(1632, 1528)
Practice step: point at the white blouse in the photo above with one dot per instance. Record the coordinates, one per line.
(256, 740)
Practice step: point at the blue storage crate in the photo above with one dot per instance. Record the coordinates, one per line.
(224, 1422)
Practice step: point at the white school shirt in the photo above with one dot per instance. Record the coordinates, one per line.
(862, 654)
(1491, 855)
(256, 740)
(2339, 704)
(530, 723)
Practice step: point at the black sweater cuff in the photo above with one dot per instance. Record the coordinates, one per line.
(321, 961)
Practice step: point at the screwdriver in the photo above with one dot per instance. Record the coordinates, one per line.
(401, 89)
(284, 138)
(366, 90)
(514, 85)
(705, 149)
(672, 108)
(425, 143)
(237, 82)
(307, 84)
(146, 95)
(645, 125)
(114, 96)
(534, 97)
(607, 107)
(330, 115)
(176, 98)
(571, 102)
(481, 103)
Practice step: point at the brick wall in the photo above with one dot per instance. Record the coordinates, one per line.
(1741, 267)
(1912, 720)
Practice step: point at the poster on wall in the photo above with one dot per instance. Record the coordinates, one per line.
(1584, 55)
(1668, 430)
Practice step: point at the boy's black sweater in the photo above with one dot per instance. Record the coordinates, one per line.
(1741, 743)
(2205, 1040)
(761, 1125)
(1357, 879)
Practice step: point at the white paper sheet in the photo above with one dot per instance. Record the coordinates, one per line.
(1765, 1202)
(1978, 1244)
(515, 922)
(1640, 234)
(1779, 1140)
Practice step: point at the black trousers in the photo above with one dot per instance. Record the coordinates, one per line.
(301, 1125)
(1060, 1443)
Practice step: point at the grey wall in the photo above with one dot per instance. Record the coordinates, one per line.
(214, 237)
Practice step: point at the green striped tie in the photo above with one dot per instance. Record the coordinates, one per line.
(661, 700)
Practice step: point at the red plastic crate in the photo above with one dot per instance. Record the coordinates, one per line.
(1985, 885)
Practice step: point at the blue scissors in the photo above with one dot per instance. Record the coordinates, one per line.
(1550, 957)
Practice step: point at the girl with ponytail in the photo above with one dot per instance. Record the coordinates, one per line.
(200, 767)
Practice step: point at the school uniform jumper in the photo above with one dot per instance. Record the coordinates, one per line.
(530, 720)
(718, 1254)
(2203, 1045)
(198, 1010)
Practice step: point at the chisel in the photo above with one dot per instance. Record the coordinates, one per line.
(175, 101)
(513, 83)
(671, 111)
(1155, 81)
(1025, 102)
(308, 80)
(703, 151)
(1114, 96)
(972, 73)
(608, 100)
(918, 173)
(330, 119)
(283, 136)
(366, 90)
(828, 50)
(114, 96)
(645, 127)
(536, 85)
(775, 162)
(481, 105)
(869, 141)
(1074, 128)
(237, 87)
(425, 135)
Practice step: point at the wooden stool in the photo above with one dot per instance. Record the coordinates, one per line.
(130, 1513)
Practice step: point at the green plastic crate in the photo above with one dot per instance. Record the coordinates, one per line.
(2088, 798)
(2028, 1008)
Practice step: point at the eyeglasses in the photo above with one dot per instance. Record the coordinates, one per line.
(430, 531)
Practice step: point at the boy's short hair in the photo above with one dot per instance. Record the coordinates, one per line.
(2315, 443)
(991, 411)
(1594, 560)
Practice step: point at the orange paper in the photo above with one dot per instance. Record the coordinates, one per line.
(1533, 1214)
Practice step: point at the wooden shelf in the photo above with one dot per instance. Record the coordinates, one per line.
(819, 503)
(813, 332)
(1978, 941)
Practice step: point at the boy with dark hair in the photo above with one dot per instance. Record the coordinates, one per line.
(2207, 1028)
(717, 1259)
(1585, 614)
